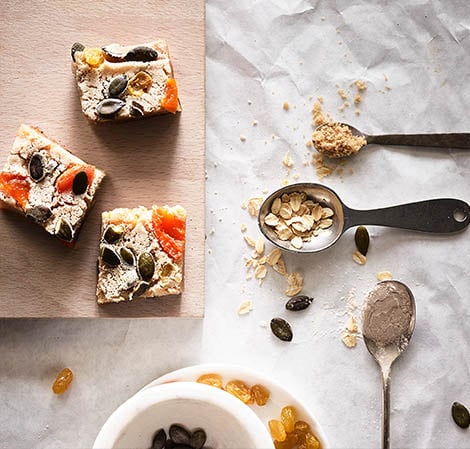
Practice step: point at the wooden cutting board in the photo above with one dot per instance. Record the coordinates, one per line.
(159, 160)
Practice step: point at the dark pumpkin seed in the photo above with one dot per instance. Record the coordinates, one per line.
(179, 435)
(461, 415)
(198, 439)
(39, 213)
(109, 257)
(362, 240)
(80, 183)
(113, 233)
(141, 53)
(299, 302)
(140, 289)
(77, 46)
(112, 55)
(159, 439)
(281, 329)
(137, 109)
(117, 86)
(63, 230)
(127, 256)
(36, 167)
(146, 266)
(109, 107)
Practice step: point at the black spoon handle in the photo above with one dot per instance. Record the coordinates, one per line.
(456, 140)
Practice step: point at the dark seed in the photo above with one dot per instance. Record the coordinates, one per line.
(109, 107)
(299, 302)
(159, 439)
(113, 233)
(111, 55)
(36, 167)
(179, 435)
(198, 439)
(141, 288)
(137, 109)
(141, 53)
(181, 446)
(362, 240)
(127, 256)
(117, 86)
(80, 183)
(461, 415)
(39, 213)
(109, 257)
(77, 46)
(63, 230)
(146, 266)
(281, 329)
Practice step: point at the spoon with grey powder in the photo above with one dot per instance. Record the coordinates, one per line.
(388, 322)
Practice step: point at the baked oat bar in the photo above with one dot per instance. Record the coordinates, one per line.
(48, 184)
(141, 253)
(119, 82)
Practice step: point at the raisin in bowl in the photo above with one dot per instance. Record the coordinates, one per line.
(226, 422)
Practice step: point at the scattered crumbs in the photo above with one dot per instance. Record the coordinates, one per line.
(349, 340)
(220, 219)
(274, 136)
(323, 19)
(351, 171)
(285, 106)
(320, 99)
(296, 176)
(255, 122)
(243, 206)
(385, 77)
(323, 170)
(245, 307)
(287, 161)
(361, 85)
(249, 277)
(351, 325)
(243, 227)
(284, 182)
(209, 251)
(357, 99)
(384, 276)
(359, 258)
(388, 87)
(250, 102)
(212, 231)
(309, 144)
(341, 108)
(318, 116)
(242, 138)
(263, 324)
(357, 112)
(265, 191)
(342, 93)
(339, 170)
(310, 97)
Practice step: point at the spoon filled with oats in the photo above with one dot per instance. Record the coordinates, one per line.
(309, 217)
(335, 140)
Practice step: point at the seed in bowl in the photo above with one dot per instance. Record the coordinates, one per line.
(179, 437)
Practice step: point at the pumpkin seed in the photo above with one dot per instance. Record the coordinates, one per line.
(137, 109)
(127, 256)
(36, 167)
(179, 435)
(117, 86)
(141, 53)
(80, 183)
(113, 233)
(159, 439)
(461, 415)
(39, 213)
(198, 439)
(109, 106)
(77, 46)
(109, 257)
(281, 329)
(299, 302)
(146, 266)
(362, 240)
(63, 230)
(140, 289)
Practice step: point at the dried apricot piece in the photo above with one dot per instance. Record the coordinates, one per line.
(260, 394)
(66, 180)
(139, 84)
(62, 381)
(288, 418)
(15, 186)
(170, 231)
(240, 390)
(94, 57)
(170, 100)
(277, 431)
(212, 379)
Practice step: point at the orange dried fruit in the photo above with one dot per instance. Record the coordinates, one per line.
(212, 379)
(260, 394)
(240, 390)
(170, 230)
(62, 381)
(288, 418)
(277, 431)
(302, 427)
(94, 57)
(16, 186)
(140, 84)
(66, 179)
(289, 443)
(170, 100)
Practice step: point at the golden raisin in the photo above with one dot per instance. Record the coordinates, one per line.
(260, 394)
(289, 443)
(94, 57)
(62, 381)
(278, 433)
(214, 380)
(240, 390)
(302, 427)
(139, 84)
(311, 442)
(288, 418)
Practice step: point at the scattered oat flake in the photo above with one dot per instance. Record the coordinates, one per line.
(295, 284)
(285, 106)
(259, 246)
(249, 241)
(359, 258)
(349, 340)
(261, 271)
(253, 205)
(245, 307)
(243, 227)
(384, 276)
(273, 257)
(297, 242)
(242, 138)
(280, 267)
(351, 325)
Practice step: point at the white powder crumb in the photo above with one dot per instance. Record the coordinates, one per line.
(250, 102)
(263, 324)
(209, 251)
(255, 122)
(296, 176)
(265, 191)
(212, 231)
(242, 138)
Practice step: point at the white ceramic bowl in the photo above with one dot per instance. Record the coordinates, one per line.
(228, 423)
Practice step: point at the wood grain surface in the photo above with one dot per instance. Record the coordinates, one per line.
(158, 160)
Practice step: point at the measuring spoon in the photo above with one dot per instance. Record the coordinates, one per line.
(441, 216)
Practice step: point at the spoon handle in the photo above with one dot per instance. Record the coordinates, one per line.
(456, 140)
(386, 410)
(441, 216)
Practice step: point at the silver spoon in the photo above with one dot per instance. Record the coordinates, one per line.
(436, 215)
(452, 140)
(388, 322)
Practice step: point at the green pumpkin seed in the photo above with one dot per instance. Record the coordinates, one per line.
(159, 439)
(140, 289)
(113, 233)
(80, 183)
(77, 46)
(127, 256)
(109, 257)
(109, 107)
(198, 439)
(179, 435)
(117, 86)
(362, 240)
(146, 266)
(281, 329)
(461, 415)
(39, 213)
(36, 167)
(63, 230)
(141, 53)
(299, 302)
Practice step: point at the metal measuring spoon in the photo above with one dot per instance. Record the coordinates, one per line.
(437, 216)
(452, 140)
(388, 322)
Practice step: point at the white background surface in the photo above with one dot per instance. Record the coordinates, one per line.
(269, 52)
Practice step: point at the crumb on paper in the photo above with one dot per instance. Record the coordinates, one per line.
(385, 77)
(250, 102)
(263, 324)
(388, 87)
(349, 340)
(243, 227)
(245, 307)
(384, 276)
(359, 258)
(357, 111)
(284, 182)
(296, 176)
(255, 122)
(287, 160)
(285, 106)
(212, 231)
(351, 325)
(361, 85)
(318, 116)
(309, 144)
(242, 138)
(357, 99)
(342, 93)
(323, 170)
